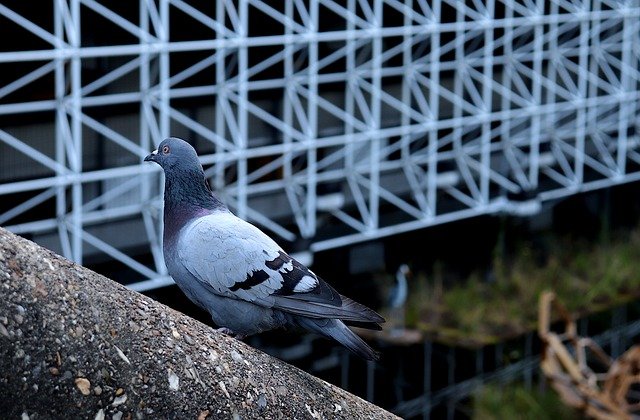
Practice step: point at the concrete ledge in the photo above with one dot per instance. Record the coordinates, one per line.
(74, 344)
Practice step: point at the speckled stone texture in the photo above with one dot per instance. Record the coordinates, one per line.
(74, 344)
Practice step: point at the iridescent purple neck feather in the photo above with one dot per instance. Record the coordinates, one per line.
(186, 196)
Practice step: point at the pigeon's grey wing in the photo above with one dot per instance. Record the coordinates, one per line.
(237, 260)
(227, 254)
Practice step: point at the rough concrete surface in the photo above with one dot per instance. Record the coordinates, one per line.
(74, 344)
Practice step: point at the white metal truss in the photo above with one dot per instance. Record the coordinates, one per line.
(329, 121)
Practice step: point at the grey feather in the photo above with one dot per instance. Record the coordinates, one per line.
(348, 311)
(336, 329)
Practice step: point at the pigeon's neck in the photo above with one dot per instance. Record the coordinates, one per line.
(186, 198)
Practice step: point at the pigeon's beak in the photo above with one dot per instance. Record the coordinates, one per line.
(152, 156)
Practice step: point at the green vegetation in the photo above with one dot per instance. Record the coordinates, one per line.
(516, 402)
(586, 277)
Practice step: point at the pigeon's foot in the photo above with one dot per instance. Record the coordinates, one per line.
(230, 333)
(226, 331)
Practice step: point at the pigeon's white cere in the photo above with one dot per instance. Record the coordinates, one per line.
(155, 152)
(306, 284)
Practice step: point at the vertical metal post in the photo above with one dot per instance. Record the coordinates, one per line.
(426, 384)
(592, 88)
(581, 96)
(630, 30)
(528, 351)
(552, 75)
(499, 355)
(344, 370)
(165, 70)
(618, 318)
(479, 360)
(434, 102)
(376, 81)
(76, 133)
(62, 127)
(144, 85)
(583, 326)
(451, 379)
(163, 82)
(312, 116)
(506, 81)
(287, 106)
(487, 99)
(536, 89)
(243, 118)
(371, 380)
(221, 99)
(405, 95)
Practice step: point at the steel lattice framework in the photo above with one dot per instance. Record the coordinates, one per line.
(328, 121)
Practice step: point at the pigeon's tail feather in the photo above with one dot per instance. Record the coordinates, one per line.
(361, 312)
(349, 310)
(336, 329)
(366, 325)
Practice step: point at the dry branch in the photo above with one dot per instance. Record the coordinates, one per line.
(584, 376)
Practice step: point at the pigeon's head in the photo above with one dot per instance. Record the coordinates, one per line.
(185, 181)
(175, 153)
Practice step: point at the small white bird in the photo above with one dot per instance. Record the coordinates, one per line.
(399, 293)
(397, 300)
(236, 272)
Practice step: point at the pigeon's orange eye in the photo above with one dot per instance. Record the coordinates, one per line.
(165, 150)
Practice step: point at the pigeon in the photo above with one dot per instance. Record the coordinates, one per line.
(236, 272)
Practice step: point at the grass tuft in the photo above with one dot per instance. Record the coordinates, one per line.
(586, 278)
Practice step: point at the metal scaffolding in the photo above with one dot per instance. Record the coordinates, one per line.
(328, 121)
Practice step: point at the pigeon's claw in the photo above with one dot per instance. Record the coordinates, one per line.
(230, 333)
